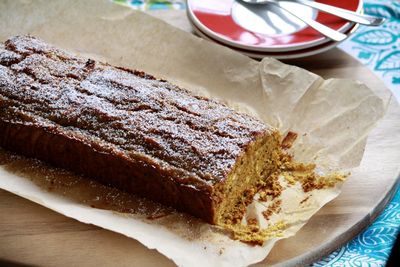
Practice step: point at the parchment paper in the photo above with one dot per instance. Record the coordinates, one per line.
(332, 117)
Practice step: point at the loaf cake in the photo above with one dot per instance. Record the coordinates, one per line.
(129, 130)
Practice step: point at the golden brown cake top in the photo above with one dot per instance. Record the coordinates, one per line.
(129, 112)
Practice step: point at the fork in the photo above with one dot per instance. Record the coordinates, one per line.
(339, 12)
(328, 32)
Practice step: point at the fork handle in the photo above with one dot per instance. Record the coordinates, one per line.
(340, 12)
(328, 32)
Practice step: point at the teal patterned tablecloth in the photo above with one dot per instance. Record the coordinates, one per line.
(378, 48)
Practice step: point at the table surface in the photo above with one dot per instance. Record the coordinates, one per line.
(32, 234)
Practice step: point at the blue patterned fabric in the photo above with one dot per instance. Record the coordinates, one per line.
(379, 49)
(153, 4)
(373, 246)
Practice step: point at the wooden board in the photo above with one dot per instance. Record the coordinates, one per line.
(32, 234)
(360, 201)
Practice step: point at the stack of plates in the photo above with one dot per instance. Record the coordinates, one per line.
(266, 30)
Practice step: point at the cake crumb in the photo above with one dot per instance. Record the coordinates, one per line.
(289, 139)
(253, 235)
(252, 221)
(275, 207)
(271, 188)
(304, 200)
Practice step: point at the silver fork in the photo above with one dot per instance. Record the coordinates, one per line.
(328, 32)
(343, 13)
(339, 12)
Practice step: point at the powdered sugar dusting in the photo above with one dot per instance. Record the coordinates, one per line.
(130, 111)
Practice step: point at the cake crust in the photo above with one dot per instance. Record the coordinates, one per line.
(130, 130)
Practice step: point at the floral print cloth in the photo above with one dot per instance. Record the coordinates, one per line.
(378, 48)
(152, 4)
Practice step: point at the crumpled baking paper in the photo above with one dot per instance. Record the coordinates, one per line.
(331, 117)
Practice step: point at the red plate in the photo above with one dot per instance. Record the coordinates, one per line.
(239, 25)
(282, 55)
